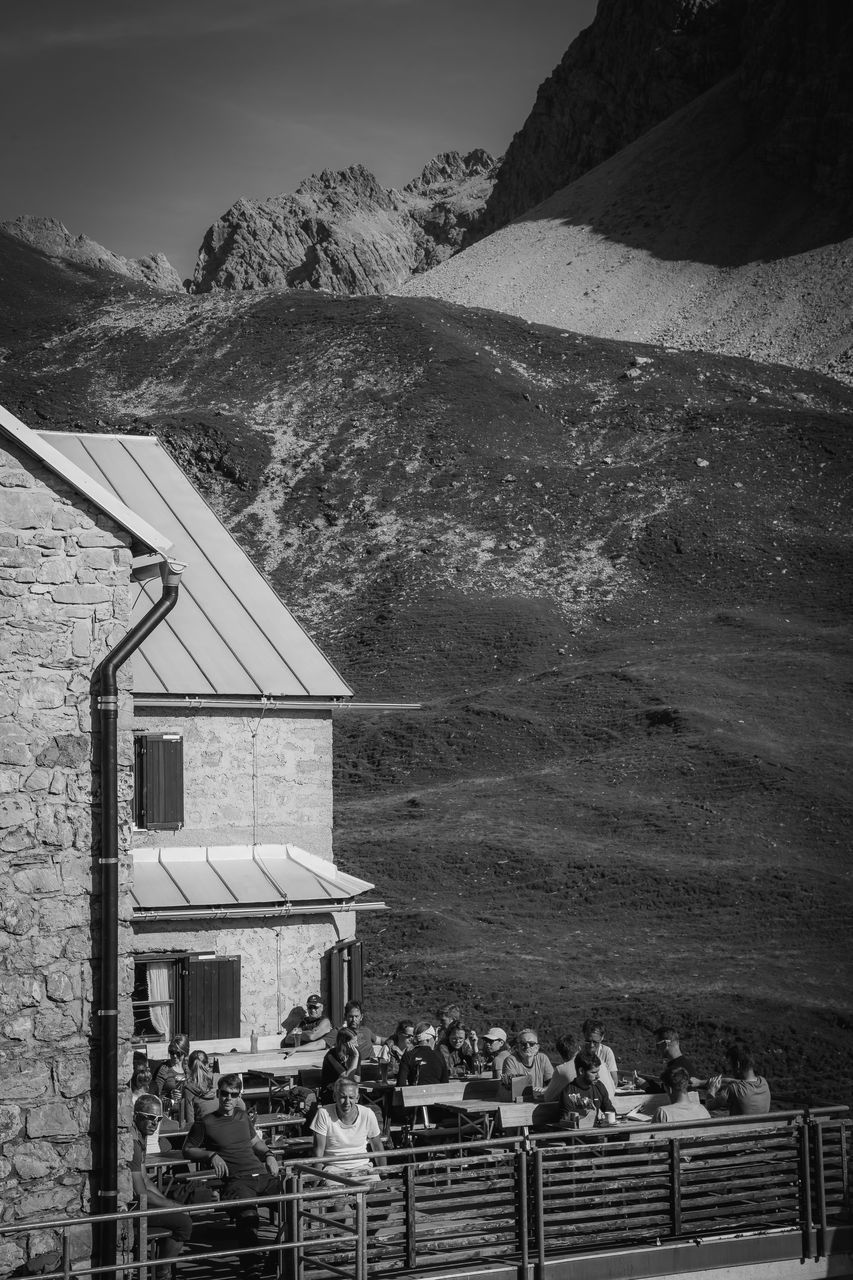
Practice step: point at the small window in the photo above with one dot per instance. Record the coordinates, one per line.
(159, 781)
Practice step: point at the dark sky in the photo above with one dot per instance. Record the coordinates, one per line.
(138, 122)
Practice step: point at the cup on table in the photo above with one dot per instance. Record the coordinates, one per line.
(297, 1038)
(610, 1117)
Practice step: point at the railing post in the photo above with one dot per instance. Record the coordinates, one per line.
(806, 1187)
(521, 1193)
(675, 1184)
(291, 1262)
(66, 1256)
(539, 1213)
(820, 1188)
(411, 1229)
(361, 1236)
(843, 1129)
(142, 1238)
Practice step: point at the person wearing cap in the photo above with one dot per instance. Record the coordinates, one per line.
(496, 1050)
(423, 1064)
(312, 1025)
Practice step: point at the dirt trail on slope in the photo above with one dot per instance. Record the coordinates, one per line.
(681, 239)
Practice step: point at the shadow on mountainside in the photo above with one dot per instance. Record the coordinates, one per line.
(694, 189)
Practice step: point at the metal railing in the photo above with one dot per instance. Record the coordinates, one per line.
(513, 1202)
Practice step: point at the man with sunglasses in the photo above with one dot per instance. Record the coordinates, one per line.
(225, 1142)
(528, 1061)
(496, 1050)
(147, 1113)
(666, 1043)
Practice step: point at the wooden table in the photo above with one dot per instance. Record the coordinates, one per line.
(479, 1112)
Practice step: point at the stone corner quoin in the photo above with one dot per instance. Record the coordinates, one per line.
(65, 599)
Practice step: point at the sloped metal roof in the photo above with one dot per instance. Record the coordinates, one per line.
(143, 534)
(238, 875)
(229, 634)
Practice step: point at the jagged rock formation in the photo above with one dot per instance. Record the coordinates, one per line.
(637, 63)
(343, 232)
(630, 69)
(52, 237)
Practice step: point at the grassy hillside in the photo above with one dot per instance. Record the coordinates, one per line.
(616, 577)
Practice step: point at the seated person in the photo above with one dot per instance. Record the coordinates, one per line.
(198, 1096)
(170, 1075)
(225, 1141)
(423, 1064)
(397, 1044)
(528, 1061)
(743, 1093)
(564, 1072)
(343, 1131)
(680, 1106)
(140, 1082)
(666, 1041)
(593, 1039)
(311, 1023)
(147, 1113)
(343, 1060)
(457, 1053)
(354, 1021)
(497, 1050)
(587, 1092)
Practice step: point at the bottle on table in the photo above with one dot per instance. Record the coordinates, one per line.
(253, 1042)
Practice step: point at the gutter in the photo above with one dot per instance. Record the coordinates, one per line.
(264, 702)
(106, 1015)
(242, 913)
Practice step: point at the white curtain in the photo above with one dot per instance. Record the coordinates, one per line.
(158, 990)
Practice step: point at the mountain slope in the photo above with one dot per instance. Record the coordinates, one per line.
(683, 238)
(53, 238)
(618, 580)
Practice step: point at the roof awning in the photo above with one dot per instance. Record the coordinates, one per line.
(223, 877)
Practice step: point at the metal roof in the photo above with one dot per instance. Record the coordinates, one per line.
(238, 875)
(229, 634)
(143, 534)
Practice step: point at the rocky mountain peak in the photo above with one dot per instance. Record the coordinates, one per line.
(452, 166)
(52, 237)
(343, 232)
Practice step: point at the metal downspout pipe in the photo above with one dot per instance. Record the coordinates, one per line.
(107, 1013)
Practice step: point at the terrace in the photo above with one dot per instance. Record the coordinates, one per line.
(743, 1197)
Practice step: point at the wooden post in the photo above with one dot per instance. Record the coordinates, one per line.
(675, 1184)
(411, 1226)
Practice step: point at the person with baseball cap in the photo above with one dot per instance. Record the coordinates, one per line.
(496, 1048)
(423, 1064)
(302, 1025)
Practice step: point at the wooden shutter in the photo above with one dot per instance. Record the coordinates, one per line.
(213, 998)
(159, 781)
(345, 978)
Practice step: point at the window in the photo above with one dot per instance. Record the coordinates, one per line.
(159, 781)
(196, 994)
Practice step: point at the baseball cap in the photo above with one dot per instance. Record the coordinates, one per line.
(314, 1000)
(495, 1033)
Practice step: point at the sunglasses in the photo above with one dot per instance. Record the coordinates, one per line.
(229, 1093)
(528, 1044)
(146, 1115)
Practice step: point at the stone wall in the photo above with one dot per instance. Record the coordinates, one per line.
(277, 767)
(281, 963)
(64, 600)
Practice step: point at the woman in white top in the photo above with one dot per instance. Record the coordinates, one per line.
(343, 1132)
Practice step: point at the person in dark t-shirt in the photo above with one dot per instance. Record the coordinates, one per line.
(423, 1064)
(226, 1142)
(587, 1092)
(666, 1042)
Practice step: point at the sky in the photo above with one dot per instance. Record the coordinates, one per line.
(139, 122)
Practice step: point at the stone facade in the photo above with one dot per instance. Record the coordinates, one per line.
(65, 598)
(253, 779)
(281, 962)
(250, 779)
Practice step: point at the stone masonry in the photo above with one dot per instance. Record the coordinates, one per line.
(65, 597)
(250, 779)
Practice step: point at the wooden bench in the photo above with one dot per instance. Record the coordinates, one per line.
(420, 1097)
(521, 1117)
